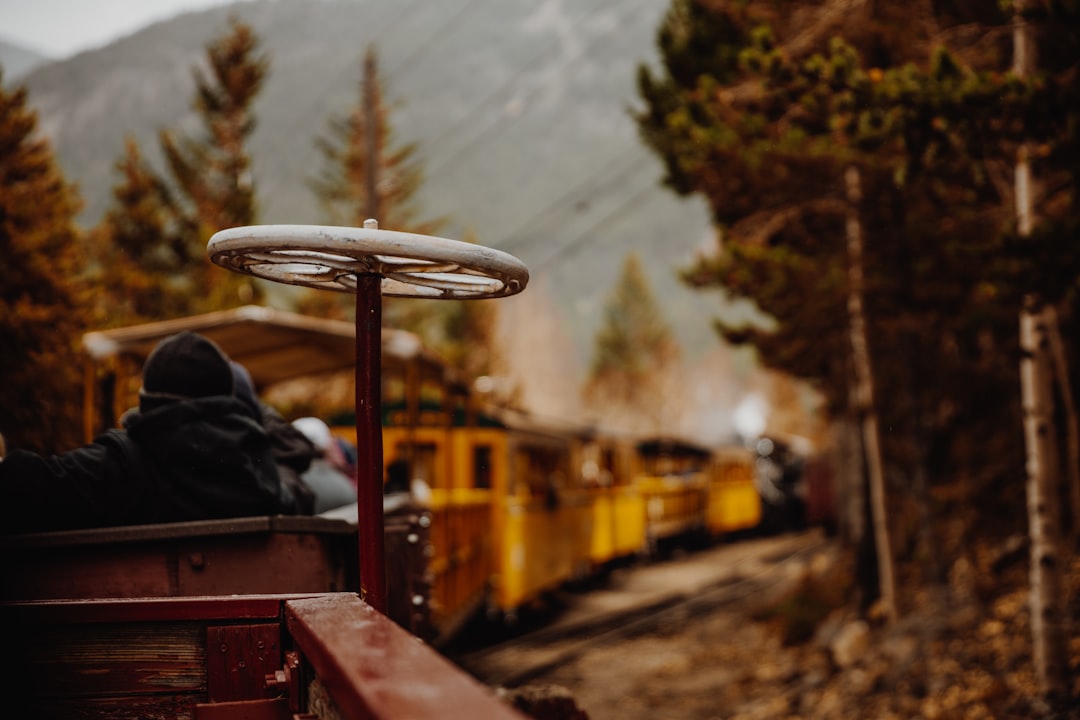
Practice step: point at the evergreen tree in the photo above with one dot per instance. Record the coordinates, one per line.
(342, 187)
(635, 357)
(366, 174)
(212, 173)
(143, 253)
(766, 123)
(41, 315)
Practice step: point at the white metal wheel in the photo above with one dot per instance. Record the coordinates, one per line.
(331, 258)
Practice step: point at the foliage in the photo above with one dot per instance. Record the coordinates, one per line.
(763, 125)
(634, 357)
(342, 188)
(41, 314)
(212, 173)
(142, 249)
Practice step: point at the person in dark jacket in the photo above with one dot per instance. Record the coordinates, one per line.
(293, 451)
(192, 451)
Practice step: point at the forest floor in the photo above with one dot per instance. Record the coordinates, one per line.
(807, 654)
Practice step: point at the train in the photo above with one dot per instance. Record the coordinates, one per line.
(513, 506)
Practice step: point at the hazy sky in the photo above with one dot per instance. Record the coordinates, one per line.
(60, 28)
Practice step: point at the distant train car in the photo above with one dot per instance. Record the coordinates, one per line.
(618, 508)
(672, 477)
(820, 482)
(542, 515)
(734, 503)
(781, 483)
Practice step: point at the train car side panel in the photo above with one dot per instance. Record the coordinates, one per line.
(545, 521)
(734, 503)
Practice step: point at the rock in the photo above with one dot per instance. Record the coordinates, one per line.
(544, 702)
(850, 643)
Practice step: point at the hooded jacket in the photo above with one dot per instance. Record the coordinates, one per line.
(178, 457)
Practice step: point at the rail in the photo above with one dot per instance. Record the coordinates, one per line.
(272, 657)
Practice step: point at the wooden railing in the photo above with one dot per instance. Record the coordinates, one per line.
(277, 657)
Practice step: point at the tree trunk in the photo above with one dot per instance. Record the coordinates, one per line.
(864, 396)
(1047, 619)
(371, 135)
(1072, 425)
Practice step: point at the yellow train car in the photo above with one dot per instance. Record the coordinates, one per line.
(542, 514)
(446, 449)
(733, 500)
(672, 478)
(617, 506)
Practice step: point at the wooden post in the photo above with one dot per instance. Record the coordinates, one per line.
(369, 449)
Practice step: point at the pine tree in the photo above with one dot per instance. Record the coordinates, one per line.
(635, 357)
(366, 174)
(342, 187)
(41, 314)
(212, 173)
(143, 254)
(765, 123)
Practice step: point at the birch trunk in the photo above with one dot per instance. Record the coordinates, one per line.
(864, 395)
(1072, 425)
(1047, 618)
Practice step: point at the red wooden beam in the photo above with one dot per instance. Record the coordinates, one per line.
(226, 607)
(369, 451)
(374, 669)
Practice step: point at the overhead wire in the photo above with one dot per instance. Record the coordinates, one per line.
(583, 189)
(576, 243)
(422, 48)
(502, 121)
(405, 7)
(592, 184)
(508, 83)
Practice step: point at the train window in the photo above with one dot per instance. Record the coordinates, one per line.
(393, 386)
(482, 466)
(422, 458)
(610, 474)
(432, 394)
(544, 470)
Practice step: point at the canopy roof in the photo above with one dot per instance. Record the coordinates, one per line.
(274, 345)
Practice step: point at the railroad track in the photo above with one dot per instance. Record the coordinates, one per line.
(527, 657)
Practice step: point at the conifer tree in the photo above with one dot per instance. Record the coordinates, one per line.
(635, 356)
(342, 186)
(142, 249)
(212, 172)
(366, 174)
(764, 125)
(41, 315)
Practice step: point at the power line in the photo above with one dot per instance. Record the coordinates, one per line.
(405, 7)
(501, 122)
(425, 47)
(576, 194)
(576, 243)
(512, 80)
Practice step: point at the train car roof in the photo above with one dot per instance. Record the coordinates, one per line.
(274, 345)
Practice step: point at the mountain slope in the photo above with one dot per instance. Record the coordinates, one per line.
(17, 61)
(519, 108)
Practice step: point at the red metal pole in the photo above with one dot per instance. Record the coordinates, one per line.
(369, 447)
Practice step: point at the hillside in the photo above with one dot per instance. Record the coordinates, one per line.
(520, 110)
(17, 61)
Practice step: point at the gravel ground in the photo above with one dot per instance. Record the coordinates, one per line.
(971, 658)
